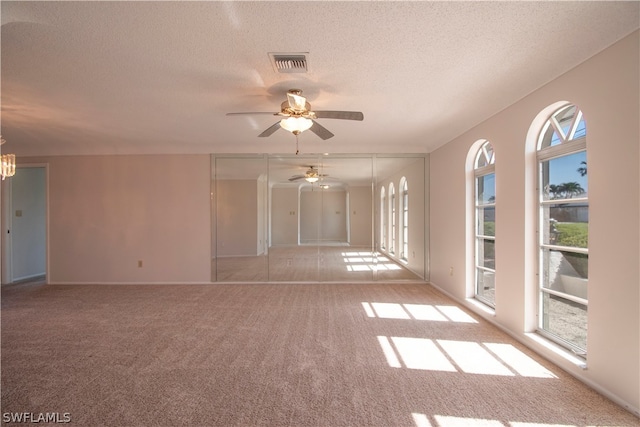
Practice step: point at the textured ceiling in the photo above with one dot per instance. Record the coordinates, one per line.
(158, 77)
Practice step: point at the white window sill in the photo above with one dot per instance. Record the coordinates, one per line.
(557, 350)
(482, 306)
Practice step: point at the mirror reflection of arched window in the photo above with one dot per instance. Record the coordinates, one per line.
(404, 218)
(383, 219)
(392, 218)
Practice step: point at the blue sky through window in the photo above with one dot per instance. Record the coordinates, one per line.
(486, 188)
(565, 169)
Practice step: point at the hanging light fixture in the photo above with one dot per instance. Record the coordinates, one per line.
(7, 163)
(311, 175)
(296, 125)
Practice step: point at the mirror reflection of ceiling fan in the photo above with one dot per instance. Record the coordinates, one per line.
(298, 116)
(311, 175)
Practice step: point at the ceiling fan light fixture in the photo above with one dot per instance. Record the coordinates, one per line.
(311, 175)
(296, 125)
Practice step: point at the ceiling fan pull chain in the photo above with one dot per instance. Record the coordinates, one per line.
(297, 151)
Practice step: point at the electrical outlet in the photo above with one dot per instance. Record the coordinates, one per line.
(450, 271)
(139, 263)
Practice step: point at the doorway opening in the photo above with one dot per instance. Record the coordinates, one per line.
(24, 225)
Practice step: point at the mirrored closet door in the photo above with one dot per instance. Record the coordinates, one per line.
(239, 219)
(310, 218)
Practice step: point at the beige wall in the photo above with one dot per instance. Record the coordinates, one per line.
(108, 212)
(237, 217)
(285, 225)
(360, 216)
(284, 216)
(323, 216)
(606, 89)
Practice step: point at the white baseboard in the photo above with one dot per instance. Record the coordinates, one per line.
(29, 277)
(128, 283)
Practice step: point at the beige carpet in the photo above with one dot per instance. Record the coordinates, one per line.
(398, 354)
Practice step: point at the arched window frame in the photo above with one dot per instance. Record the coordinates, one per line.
(392, 218)
(484, 196)
(383, 219)
(562, 140)
(404, 219)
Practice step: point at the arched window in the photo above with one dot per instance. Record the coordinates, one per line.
(404, 219)
(485, 230)
(392, 218)
(563, 219)
(383, 219)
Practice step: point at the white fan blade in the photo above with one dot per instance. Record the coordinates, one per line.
(343, 115)
(251, 113)
(320, 130)
(270, 130)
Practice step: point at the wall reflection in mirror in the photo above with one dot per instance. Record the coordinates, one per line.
(313, 218)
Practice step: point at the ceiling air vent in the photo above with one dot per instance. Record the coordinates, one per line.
(289, 62)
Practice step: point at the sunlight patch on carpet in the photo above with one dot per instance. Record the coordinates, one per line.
(455, 314)
(368, 309)
(366, 261)
(466, 357)
(471, 358)
(419, 353)
(519, 362)
(447, 421)
(518, 424)
(387, 349)
(387, 310)
(425, 312)
(422, 420)
(440, 313)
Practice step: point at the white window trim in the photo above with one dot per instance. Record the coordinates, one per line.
(392, 219)
(383, 219)
(566, 147)
(404, 216)
(480, 172)
(480, 237)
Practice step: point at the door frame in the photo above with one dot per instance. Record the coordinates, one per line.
(7, 224)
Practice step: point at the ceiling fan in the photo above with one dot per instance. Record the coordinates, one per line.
(311, 175)
(298, 116)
